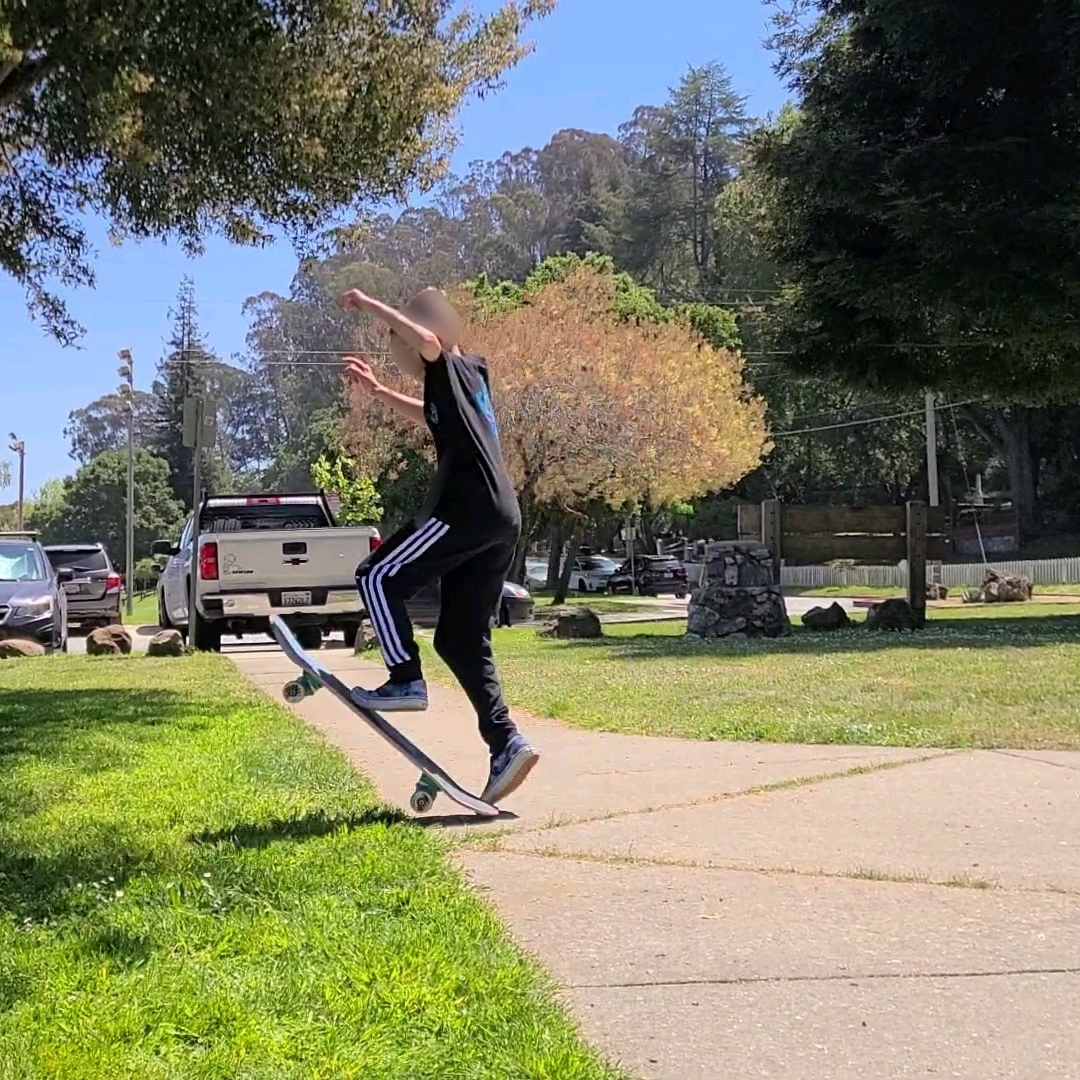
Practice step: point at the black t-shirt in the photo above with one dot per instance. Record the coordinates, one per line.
(472, 487)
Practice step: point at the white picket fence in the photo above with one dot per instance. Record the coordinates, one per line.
(952, 575)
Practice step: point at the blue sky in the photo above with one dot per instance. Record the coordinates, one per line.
(595, 60)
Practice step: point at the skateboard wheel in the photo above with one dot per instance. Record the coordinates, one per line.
(423, 796)
(421, 801)
(293, 692)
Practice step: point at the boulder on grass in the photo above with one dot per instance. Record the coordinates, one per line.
(1005, 588)
(166, 643)
(937, 592)
(108, 641)
(833, 617)
(10, 648)
(571, 622)
(893, 614)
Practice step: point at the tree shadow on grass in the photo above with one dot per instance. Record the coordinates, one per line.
(311, 826)
(45, 723)
(318, 824)
(1015, 632)
(62, 727)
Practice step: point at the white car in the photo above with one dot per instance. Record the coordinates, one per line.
(591, 573)
(536, 573)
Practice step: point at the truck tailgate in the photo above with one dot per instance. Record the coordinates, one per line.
(306, 559)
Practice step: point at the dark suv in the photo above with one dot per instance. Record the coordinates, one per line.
(93, 587)
(652, 575)
(32, 600)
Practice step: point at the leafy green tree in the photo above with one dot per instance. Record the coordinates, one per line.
(928, 172)
(359, 500)
(91, 506)
(662, 224)
(234, 117)
(102, 425)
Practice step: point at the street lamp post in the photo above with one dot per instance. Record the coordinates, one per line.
(126, 371)
(18, 446)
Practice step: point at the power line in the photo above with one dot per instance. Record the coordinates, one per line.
(871, 420)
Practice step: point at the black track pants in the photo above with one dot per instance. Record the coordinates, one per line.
(472, 569)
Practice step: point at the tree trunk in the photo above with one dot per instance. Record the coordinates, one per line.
(556, 538)
(562, 590)
(1009, 433)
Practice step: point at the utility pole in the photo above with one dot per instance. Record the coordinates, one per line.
(931, 449)
(126, 371)
(18, 446)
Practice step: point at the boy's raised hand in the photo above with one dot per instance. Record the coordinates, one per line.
(354, 299)
(359, 371)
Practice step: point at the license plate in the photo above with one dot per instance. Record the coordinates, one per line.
(295, 598)
(75, 587)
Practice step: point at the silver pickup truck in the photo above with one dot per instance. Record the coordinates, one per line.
(262, 555)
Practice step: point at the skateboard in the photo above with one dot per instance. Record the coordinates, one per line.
(433, 778)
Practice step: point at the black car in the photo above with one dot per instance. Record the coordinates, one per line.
(651, 576)
(94, 588)
(32, 600)
(516, 606)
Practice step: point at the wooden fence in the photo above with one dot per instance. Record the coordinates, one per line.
(812, 535)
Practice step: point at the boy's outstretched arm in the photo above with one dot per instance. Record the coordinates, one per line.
(418, 337)
(360, 372)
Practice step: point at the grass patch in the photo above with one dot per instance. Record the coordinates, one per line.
(192, 885)
(601, 603)
(144, 611)
(975, 677)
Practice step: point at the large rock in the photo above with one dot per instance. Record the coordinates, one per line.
(13, 647)
(571, 622)
(166, 643)
(1004, 589)
(936, 592)
(833, 617)
(894, 614)
(739, 596)
(108, 641)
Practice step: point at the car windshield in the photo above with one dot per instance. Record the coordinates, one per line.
(81, 560)
(20, 561)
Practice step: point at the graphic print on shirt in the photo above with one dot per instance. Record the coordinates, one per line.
(432, 414)
(485, 407)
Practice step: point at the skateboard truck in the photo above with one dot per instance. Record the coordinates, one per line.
(295, 690)
(423, 796)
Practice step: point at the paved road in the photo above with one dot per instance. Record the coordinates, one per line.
(755, 910)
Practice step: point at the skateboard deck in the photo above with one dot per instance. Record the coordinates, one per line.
(433, 778)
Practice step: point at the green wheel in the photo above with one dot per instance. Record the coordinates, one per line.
(423, 796)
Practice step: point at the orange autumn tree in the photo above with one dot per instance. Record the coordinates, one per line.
(593, 405)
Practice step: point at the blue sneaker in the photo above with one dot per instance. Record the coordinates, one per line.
(509, 769)
(393, 697)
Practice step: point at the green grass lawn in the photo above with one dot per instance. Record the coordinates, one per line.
(145, 611)
(973, 677)
(192, 885)
(601, 603)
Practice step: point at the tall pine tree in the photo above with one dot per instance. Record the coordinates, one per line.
(187, 368)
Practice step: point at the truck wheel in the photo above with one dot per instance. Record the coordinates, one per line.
(350, 633)
(310, 637)
(206, 636)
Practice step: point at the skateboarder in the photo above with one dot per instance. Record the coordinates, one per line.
(465, 534)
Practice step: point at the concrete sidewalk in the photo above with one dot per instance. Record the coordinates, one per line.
(719, 910)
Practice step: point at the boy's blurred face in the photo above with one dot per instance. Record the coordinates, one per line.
(405, 357)
(434, 312)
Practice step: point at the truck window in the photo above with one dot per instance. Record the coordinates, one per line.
(262, 516)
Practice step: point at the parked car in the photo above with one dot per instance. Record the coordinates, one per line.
(591, 573)
(651, 576)
(536, 571)
(516, 606)
(33, 603)
(94, 592)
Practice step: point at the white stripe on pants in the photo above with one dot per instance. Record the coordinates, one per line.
(374, 594)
